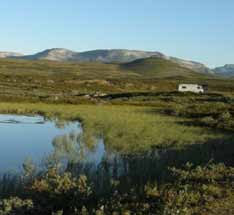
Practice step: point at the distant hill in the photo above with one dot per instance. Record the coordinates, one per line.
(117, 55)
(144, 68)
(110, 56)
(56, 54)
(227, 70)
(161, 68)
(9, 54)
(192, 65)
(105, 56)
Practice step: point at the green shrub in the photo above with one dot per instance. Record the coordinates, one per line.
(224, 117)
(15, 205)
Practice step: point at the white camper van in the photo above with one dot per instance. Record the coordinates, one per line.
(195, 88)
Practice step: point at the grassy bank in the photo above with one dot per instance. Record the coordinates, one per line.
(126, 128)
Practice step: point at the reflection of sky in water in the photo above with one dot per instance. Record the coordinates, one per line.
(97, 154)
(20, 119)
(73, 149)
(49, 143)
(27, 137)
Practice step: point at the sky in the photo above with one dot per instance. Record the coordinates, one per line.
(199, 30)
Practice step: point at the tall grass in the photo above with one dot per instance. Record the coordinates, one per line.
(124, 128)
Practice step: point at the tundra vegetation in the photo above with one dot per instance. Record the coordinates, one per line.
(175, 151)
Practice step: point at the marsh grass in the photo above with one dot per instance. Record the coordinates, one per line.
(124, 128)
(146, 185)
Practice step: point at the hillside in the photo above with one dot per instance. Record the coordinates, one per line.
(199, 67)
(71, 82)
(147, 68)
(109, 56)
(161, 68)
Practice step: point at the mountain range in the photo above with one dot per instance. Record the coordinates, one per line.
(116, 56)
(226, 70)
(9, 54)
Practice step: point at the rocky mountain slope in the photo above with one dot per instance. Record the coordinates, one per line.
(191, 65)
(227, 70)
(105, 56)
(52, 54)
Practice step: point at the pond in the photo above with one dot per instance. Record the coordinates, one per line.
(36, 139)
(48, 143)
(33, 141)
(45, 143)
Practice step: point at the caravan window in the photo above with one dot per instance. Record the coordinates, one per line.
(184, 87)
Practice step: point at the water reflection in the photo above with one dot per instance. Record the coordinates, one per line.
(23, 137)
(103, 165)
(18, 119)
(63, 144)
(72, 149)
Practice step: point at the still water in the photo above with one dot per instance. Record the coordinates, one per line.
(51, 142)
(38, 139)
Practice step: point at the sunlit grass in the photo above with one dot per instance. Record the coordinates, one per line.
(123, 128)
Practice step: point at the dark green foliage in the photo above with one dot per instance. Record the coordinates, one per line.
(15, 205)
(190, 190)
(196, 188)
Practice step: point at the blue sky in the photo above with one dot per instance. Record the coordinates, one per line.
(201, 30)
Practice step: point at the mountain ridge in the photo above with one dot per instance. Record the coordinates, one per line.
(10, 54)
(102, 55)
(108, 56)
